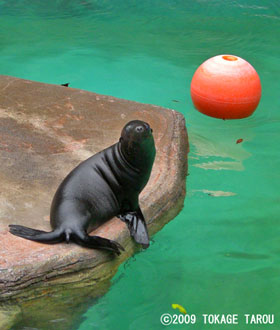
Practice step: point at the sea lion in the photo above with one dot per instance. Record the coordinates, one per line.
(105, 185)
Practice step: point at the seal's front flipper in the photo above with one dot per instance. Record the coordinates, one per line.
(36, 235)
(137, 227)
(96, 242)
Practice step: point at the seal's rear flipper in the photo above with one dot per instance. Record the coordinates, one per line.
(96, 242)
(137, 227)
(37, 235)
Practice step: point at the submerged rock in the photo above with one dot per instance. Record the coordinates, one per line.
(45, 131)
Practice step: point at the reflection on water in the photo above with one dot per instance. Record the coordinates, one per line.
(215, 193)
(217, 151)
(220, 254)
(240, 255)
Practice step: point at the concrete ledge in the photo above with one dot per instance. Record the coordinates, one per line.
(45, 131)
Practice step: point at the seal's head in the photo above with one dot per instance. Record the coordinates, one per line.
(137, 144)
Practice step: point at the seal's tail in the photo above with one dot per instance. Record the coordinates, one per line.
(96, 242)
(55, 236)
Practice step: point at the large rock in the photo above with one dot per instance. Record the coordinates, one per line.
(45, 131)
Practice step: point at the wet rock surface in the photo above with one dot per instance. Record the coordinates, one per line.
(45, 131)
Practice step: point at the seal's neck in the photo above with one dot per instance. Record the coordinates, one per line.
(140, 156)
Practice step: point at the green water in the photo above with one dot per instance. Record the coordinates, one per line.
(221, 254)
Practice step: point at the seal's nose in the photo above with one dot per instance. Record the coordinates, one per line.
(143, 128)
(139, 129)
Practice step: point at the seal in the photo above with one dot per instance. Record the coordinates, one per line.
(105, 185)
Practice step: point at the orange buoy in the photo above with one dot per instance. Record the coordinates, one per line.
(226, 87)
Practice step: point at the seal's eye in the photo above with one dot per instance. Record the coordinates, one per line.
(139, 129)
